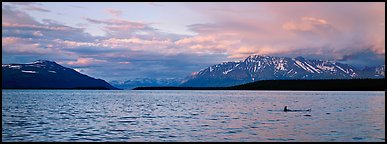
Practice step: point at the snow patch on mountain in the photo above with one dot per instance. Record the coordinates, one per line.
(226, 72)
(26, 71)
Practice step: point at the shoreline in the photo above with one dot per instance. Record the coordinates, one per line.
(294, 85)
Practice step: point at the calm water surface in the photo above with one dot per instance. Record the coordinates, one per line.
(97, 115)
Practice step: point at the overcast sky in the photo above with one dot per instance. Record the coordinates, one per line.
(121, 41)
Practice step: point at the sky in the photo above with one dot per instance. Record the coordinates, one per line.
(122, 41)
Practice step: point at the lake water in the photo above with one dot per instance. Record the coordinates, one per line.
(127, 115)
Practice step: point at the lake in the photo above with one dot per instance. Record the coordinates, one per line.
(127, 115)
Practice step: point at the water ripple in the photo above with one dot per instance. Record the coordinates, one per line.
(88, 115)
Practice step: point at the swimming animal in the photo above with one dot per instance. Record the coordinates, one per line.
(289, 110)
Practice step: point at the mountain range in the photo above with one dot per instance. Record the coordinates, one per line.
(259, 67)
(49, 74)
(43, 74)
(146, 82)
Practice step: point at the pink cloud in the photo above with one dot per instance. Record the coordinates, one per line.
(10, 15)
(117, 26)
(153, 4)
(159, 46)
(211, 44)
(75, 44)
(290, 28)
(85, 62)
(9, 40)
(237, 30)
(38, 27)
(23, 46)
(197, 39)
(115, 42)
(306, 24)
(114, 12)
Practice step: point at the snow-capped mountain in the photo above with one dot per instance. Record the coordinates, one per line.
(259, 67)
(145, 82)
(47, 74)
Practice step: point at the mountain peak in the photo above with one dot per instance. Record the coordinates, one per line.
(48, 74)
(257, 56)
(45, 62)
(300, 57)
(40, 61)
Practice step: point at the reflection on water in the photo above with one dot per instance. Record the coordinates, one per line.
(83, 115)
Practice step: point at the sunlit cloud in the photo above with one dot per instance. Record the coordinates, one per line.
(75, 44)
(307, 24)
(113, 42)
(114, 12)
(118, 26)
(297, 28)
(86, 62)
(15, 45)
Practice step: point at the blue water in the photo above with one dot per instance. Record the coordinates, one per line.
(126, 115)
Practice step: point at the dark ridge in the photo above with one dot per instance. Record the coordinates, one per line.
(305, 85)
(75, 88)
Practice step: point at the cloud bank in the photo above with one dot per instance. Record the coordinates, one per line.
(353, 33)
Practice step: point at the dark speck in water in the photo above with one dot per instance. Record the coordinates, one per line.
(357, 138)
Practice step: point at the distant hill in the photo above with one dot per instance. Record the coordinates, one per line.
(323, 85)
(305, 85)
(258, 67)
(43, 74)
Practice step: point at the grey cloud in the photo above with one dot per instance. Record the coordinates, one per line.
(14, 16)
(364, 58)
(35, 8)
